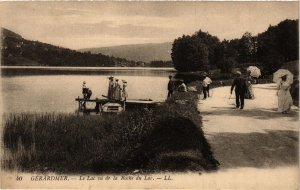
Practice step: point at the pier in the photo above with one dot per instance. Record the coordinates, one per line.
(107, 105)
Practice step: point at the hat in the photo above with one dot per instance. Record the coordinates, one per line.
(238, 73)
(83, 82)
(111, 77)
(124, 81)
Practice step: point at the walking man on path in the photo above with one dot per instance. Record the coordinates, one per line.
(205, 86)
(239, 84)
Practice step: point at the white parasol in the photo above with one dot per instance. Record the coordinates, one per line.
(283, 72)
(254, 71)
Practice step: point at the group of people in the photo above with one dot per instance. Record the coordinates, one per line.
(86, 92)
(172, 87)
(115, 91)
(243, 89)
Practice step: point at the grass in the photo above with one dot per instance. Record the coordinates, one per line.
(168, 138)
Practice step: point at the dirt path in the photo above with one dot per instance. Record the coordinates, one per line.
(256, 137)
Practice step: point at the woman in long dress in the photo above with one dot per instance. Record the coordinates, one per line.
(250, 93)
(111, 85)
(285, 100)
(124, 91)
(118, 90)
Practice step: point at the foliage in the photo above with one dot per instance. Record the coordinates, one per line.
(189, 53)
(269, 49)
(161, 64)
(138, 139)
(278, 44)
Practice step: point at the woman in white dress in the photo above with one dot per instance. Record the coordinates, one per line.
(285, 100)
(124, 91)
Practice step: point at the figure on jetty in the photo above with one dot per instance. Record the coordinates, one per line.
(124, 90)
(117, 91)
(86, 92)
(84, 89)
(111, 86)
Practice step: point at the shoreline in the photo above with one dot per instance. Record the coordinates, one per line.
(86, 68)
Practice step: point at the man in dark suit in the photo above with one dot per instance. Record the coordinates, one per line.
(170, 86)
(239, 84)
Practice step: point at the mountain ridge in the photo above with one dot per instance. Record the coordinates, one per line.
(146, 52)
(18, 51)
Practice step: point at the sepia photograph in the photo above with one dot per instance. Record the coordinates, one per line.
(149, 94)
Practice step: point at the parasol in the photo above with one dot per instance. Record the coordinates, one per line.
(283, 72)
(254, 71)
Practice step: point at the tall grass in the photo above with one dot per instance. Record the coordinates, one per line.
(166, 138)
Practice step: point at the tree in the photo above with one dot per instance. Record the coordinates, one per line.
(247, 48)
(212, 43)
(227, 56)
(278, 44)
(189, 54)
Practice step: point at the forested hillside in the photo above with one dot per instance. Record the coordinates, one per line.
(19, 51)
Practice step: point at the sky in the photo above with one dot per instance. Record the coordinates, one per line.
(79, 25)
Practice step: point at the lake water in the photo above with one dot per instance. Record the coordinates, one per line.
(43, 89)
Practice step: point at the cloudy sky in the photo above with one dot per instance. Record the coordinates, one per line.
(97, 24)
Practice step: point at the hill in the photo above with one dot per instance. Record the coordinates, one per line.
(137, 52)
(18, 51)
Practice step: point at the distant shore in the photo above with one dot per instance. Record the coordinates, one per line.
(53, 70)
(85, 68)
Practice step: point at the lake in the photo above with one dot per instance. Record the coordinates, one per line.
(54, 89)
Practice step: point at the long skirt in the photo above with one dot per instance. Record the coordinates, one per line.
(118, 95)
(285, 100)
(249, 94)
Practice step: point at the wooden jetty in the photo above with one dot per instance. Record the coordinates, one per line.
(113, 106)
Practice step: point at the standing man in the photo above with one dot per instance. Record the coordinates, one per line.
(205, 86)
(84, 89)
(239, 84)
(170, 87)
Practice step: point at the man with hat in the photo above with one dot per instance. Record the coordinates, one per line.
(239, 83)
(170, 86)
(84, 89)
(205, 85)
